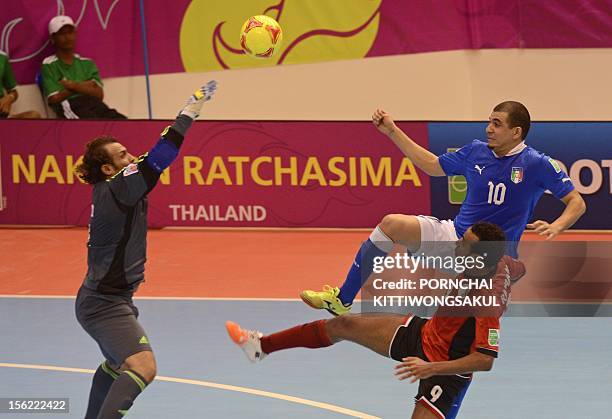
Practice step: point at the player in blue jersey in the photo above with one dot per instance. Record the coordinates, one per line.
(505, 180)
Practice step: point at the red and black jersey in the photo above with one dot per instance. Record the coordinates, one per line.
(445, 338)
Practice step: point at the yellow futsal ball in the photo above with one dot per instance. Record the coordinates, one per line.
(261, 36)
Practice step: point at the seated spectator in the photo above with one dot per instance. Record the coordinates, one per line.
(8, 92)
(70, 82)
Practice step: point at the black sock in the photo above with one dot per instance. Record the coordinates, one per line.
(121, 395)
(102, 381)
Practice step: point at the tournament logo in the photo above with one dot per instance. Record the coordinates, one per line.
(493, 337)
(517, 175)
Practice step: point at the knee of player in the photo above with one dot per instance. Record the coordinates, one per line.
(150, 370)
(144, 364)
(389, 224)
(340, 327)
(148, 373)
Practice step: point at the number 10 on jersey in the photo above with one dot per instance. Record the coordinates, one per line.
(497, 193)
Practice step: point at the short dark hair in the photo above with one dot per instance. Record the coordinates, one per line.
(491, 242)
(518, 115)
(90, 170)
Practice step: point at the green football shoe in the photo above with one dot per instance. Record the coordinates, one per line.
(326, 299)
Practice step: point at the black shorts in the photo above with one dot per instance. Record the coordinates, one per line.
(111, 320)
(441, 394)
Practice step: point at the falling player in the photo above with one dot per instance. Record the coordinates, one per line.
(505, 180)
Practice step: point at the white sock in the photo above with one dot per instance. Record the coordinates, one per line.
(381, 240)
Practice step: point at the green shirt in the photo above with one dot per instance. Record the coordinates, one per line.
(7, 78)
(53, 70)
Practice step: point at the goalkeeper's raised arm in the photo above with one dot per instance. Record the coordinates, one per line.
(166, 149)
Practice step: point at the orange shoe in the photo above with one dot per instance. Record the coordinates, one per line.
(248, 340)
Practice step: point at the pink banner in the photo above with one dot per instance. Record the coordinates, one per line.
(273, 174)
(202, 35)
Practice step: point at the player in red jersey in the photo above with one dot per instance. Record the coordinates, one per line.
(441, 352)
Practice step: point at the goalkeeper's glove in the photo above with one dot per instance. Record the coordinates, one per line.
(196, 100)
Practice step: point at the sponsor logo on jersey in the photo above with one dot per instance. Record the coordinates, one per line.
(130, 169)
(457, 186)
(516, 175)
(493, 337)
(554, 164)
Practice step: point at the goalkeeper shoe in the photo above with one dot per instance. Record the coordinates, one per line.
(248, 340)
(327, 299)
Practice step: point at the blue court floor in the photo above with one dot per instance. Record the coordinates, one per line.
(548, 367)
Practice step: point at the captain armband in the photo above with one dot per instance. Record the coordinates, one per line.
(165, 150)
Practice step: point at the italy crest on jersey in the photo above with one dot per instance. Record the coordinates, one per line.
(516, 175)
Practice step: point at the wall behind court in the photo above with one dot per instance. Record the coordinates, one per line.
(340, 58)
(228, 174)
(281, 174)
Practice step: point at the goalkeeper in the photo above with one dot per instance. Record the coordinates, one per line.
(116, 257)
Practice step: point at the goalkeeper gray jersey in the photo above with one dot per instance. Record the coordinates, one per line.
(117, 242)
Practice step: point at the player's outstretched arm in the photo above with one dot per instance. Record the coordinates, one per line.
(167, 148)
(574, 208)
(140, 177)
(417, 369)
(423, 158)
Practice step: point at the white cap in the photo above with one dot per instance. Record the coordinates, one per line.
(58, 22)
